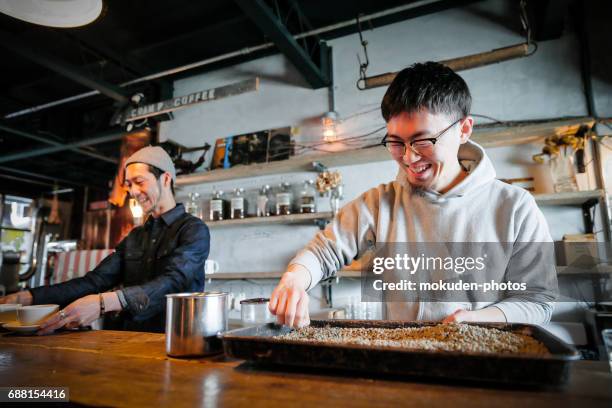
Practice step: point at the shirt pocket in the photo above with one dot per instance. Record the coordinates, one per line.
(132, 255)
(133, 264)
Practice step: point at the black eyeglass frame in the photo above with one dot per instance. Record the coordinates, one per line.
(433, 140)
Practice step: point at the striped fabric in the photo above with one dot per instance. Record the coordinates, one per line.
(74, 264)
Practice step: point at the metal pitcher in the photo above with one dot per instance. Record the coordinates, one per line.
(193, 321)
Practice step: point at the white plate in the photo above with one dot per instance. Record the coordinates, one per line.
(18, 328)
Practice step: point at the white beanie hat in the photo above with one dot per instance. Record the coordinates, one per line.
(155, 156)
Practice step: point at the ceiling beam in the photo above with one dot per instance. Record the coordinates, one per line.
(120, 59)
(103, 138)
(273, 28)
(69, 71)
(37, 138)
(204, 33)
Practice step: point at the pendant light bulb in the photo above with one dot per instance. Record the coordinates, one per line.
(329, 121)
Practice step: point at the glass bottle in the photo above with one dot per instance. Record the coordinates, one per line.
(264, 199)
(238, 204)
(193, 206)
(307, 198)
(218, 206)
(283, 199)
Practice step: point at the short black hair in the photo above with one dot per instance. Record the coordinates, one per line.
(430, 86)
(157, 172)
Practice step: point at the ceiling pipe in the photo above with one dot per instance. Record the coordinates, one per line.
(55, 180)
(37, 138)
(104, 138)
(25, 180)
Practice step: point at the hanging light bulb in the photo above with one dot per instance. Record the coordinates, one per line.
(330, 120)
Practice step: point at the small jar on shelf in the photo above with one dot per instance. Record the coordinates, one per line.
(307, 198)
(194, 206)
(218, 206)
(238, 204)
(264, 201)
(284, 197)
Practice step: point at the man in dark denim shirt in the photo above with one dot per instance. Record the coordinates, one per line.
(165, 255)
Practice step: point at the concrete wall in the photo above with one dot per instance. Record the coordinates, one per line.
(545, 85)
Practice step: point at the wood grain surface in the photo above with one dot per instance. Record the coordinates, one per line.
(110, 368)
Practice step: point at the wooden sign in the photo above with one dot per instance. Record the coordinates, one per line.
(180, 102)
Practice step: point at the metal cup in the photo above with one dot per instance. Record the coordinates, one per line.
(193, 321)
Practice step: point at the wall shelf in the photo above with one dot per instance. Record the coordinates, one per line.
(16, 229)
(605, 270)
(318, 219)
(487, 136)
(593, 271)
(570, 198)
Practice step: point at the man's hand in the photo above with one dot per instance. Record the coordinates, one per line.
(81, 312)
(459, 316)
(24, 298)
(488, 314)
(289, 300)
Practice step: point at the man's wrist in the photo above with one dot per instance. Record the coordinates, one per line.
(102, 305)
(111, 302)
(299, 274)
(25, 297)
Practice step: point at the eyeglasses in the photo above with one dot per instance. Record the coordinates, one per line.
(421, 147)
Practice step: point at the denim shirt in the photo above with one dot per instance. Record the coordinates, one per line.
(165, 255)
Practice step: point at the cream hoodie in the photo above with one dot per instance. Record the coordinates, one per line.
(478, 209)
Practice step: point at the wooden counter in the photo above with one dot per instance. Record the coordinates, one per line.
(109, 368)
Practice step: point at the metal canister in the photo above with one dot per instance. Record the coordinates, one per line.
(193, 321)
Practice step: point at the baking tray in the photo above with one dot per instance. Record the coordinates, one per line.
(258, 344)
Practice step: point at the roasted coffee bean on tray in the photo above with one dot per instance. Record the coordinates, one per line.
(442, 337)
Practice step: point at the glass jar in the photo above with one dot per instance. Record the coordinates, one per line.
(218, 206)
(283, 199)
(264, 200)
(193, 206)
(255, 311)
(307, 198)
(238, 204)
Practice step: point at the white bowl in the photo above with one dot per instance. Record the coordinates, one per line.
(30, 315)
(8, 312)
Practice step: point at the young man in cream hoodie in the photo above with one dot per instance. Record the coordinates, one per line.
(445, 191)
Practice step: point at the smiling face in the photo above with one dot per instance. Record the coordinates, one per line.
(151, 193)
(438, 169)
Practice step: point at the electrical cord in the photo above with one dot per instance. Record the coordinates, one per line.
(487, 117)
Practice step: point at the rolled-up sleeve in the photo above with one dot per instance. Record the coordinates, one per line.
(182, 267)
